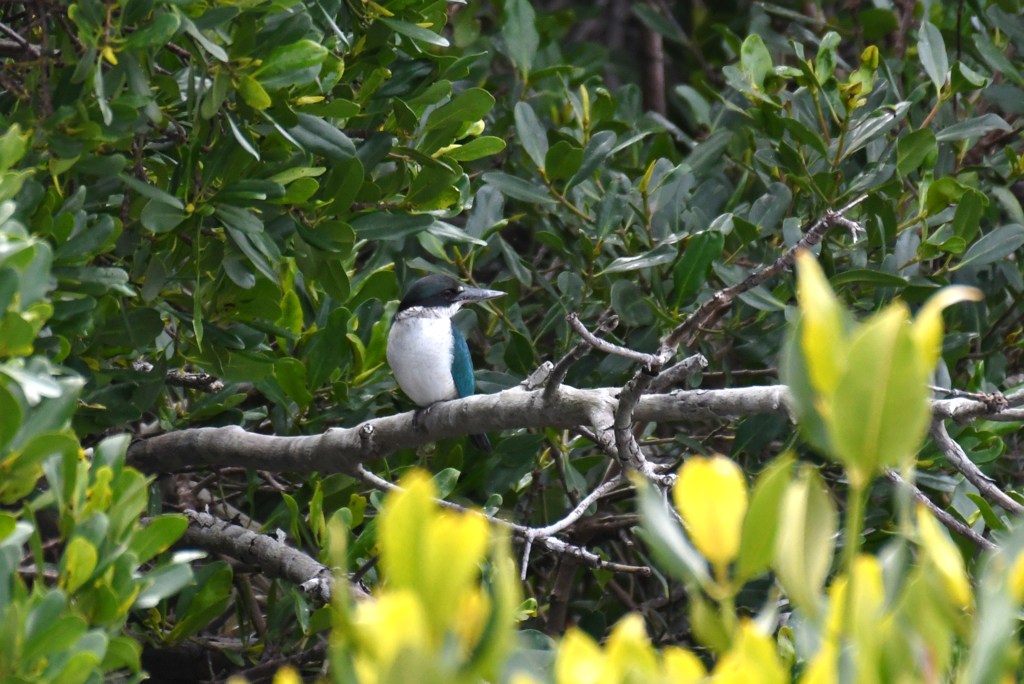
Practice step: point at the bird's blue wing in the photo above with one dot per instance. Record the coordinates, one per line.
(462, 364)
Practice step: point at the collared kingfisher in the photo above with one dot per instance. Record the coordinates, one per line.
(426, 351)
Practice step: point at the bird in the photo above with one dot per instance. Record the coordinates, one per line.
(428, 355)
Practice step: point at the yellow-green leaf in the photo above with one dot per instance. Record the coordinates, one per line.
(880, 411)
(823, 339)
(630, 657)
(752, 658)
(252, 92)
(79, 561)
(945, 557)
(927, 328)
(806, 540)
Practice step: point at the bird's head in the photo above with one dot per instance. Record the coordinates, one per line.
(443, 293)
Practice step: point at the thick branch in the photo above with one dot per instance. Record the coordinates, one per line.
(275, 558)
(342, 449)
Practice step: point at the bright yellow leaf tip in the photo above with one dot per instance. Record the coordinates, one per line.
(945, 557)
(823, 339)
(711, 497)
(927, 329)
(752, 658)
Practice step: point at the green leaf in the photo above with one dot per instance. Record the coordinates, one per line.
(563, 160)
(916, 149)
(158, 217)
(445, 482)
(825, 63)
(932, 51)
(291, 375)
(415, 32)
(208, 601)
(969, 210)
(157, 536)
(13, 144)
(299, 55)
(383, 225)
(662, 254)
(469, 106)
(519, 30)
(253, 92)
(875, 125)
(994, 246)
(973, 128)
(242, 138)
(327, 350)
(10, 417)
(993, 521)
(163, 28)
(152, 192)
(594, 154)
(755, 60)
(629, 303)
(162, 583)
(691, 271)
(216, 50)
(428, 186)
(867, 276)
(517, 188)
(78, 563)
(477, 148)
(319, 137)
(531, 134)
(963, 79)
(123, 652)
(761, 522)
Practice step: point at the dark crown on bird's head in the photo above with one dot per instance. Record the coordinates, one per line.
(438, 290)
(432, 290)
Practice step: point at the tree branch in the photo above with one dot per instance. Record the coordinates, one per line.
(275, 558)
(945, 518)
(954, 453)
(342, 449)
(712, 309)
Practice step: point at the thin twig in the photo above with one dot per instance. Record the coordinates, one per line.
(955, 454)
(944, 517)
(551, 542)
(712, 308)
(609, 347)
(607, 321)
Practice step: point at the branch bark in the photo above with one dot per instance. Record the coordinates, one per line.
(342, 449)
(275, 558)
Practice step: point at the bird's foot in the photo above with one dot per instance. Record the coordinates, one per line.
(419, 415)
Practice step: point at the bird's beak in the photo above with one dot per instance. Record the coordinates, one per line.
(477, 294)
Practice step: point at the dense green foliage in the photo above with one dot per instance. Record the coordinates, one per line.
(244, 188)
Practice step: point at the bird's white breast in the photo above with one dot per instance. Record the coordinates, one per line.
(420, 356)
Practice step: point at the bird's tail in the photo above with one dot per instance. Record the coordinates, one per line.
(481, 442)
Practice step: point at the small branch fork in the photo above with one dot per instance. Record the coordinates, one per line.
(711, 310)
(955, 454)
(543, 535)
(628, 450)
